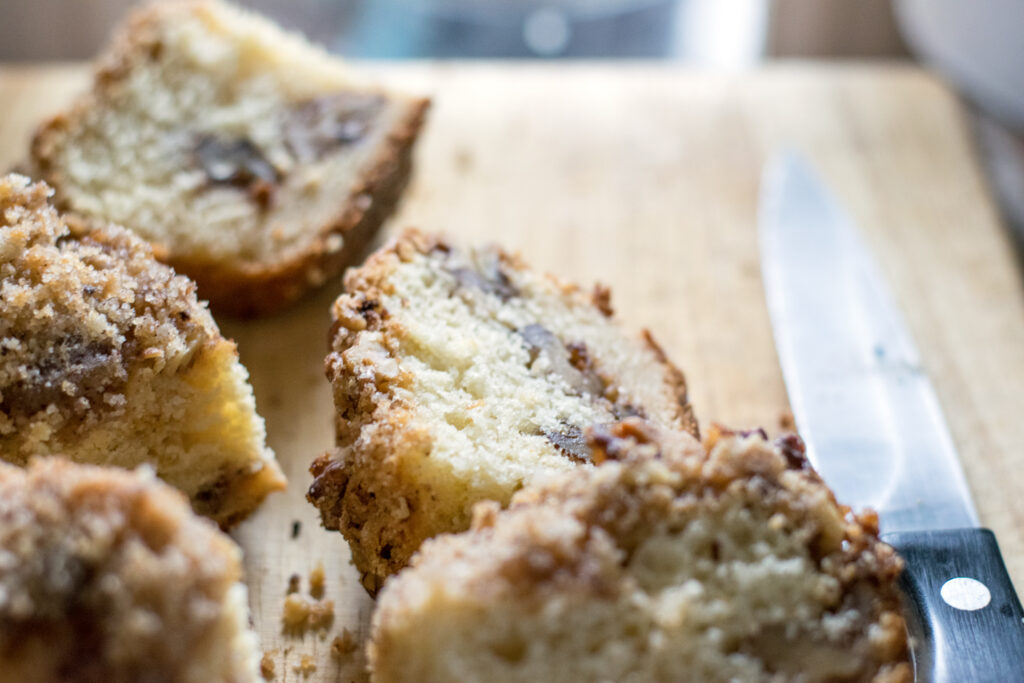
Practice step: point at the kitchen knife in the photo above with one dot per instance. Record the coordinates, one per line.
(875, 432)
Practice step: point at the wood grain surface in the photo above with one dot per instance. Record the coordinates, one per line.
(646, 178)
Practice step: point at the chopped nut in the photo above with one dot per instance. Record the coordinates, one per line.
(589, 380)
(343, 644)
(570, 363)
(318, 126)
(792, 448)
(90, 367)
(316, 581)
(499, 285)
(349, 319)
(602, 298)
(570, 442)
(293, 584)
(236, 162)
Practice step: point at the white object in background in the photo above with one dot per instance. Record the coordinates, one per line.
(978, 44)
(726, 34)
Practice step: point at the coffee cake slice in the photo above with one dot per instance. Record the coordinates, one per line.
(667, 563)
(106, 576)
(107, 357)
(250, 159)
(458, 376)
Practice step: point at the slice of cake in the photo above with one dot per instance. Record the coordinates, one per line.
(250, 159)
(107, 357)
(106, 576)
(665, 564)
(458, 376)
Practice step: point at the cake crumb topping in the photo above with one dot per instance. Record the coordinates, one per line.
(80, 311)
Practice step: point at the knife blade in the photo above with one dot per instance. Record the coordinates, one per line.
(853, 375)
(874, 428)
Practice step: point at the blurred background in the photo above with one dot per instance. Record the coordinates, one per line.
(978, 46)
(729, 33)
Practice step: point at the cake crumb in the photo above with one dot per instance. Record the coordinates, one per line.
(306, 666)
(296, 611)
(301, 613)
(267, 665)
(321, 614)
(786, 421)
(293, 584)
(343, 644)
(316, 581)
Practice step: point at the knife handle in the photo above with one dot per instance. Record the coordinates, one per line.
(965, 619)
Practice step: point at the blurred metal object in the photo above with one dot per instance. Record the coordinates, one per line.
(510, 28)
(721, 33)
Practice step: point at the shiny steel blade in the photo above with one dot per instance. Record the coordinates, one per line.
(861, 400)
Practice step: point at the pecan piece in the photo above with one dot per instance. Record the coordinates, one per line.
(237, 162)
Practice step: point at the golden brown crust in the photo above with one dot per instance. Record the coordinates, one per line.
(374, 477)
(230, 499)
(109, 577)
(360, 501)
(572, 545)
(239, 287)
(677, 380)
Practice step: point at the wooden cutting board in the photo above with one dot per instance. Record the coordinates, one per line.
(646, 178)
